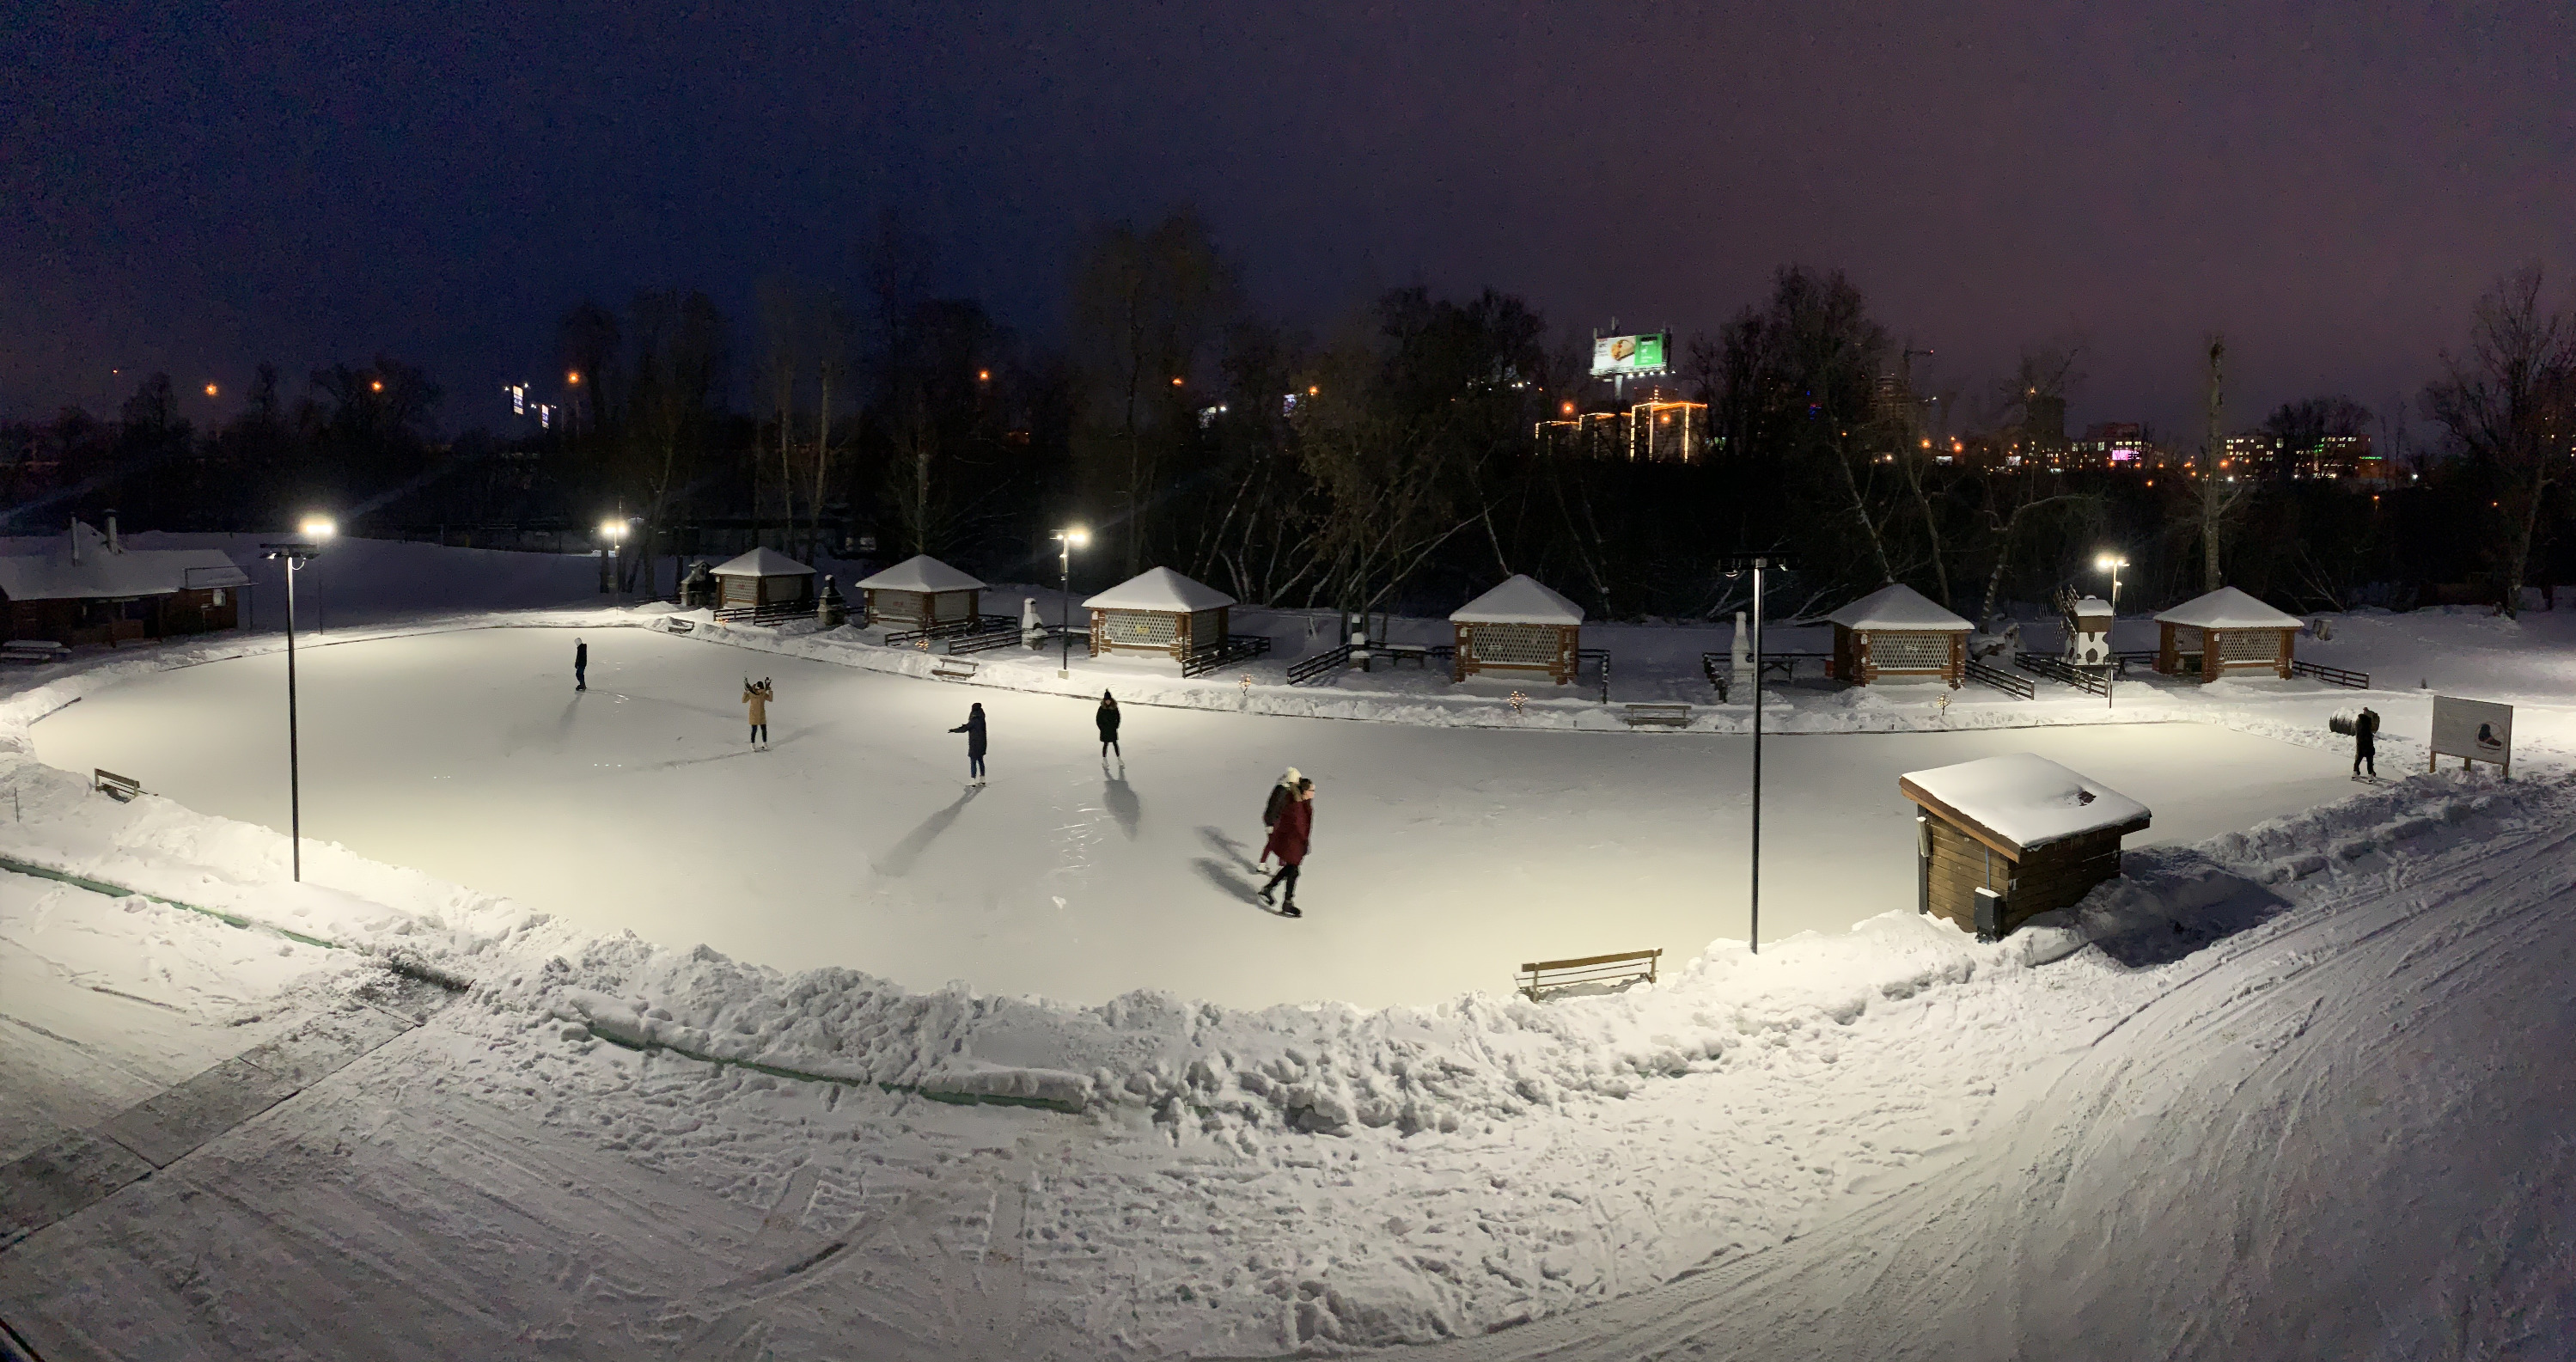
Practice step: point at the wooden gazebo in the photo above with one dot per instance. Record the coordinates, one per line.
(1158, 611)
(1519, 628)
(1896, 631)
(94, 589)
(762, 577)
(2029, 833)
(917, 593)
(2225, 633)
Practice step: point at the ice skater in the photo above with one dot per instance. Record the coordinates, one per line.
(1288, 837)
(580, 664)
(973, 728)
(757, 695)
(2365, 743)
(1107, 718)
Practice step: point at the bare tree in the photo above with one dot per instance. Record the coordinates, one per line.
(2510, 405)
(2217, 501)
(1145, 305)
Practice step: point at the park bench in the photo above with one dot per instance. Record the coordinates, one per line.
(1624, 967)
(33, 650)
(953, 669)
(116, 787)
(1663, 716)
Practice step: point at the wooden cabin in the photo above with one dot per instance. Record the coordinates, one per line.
(1519, 629)
(2032, 833)
(1158, 611)
(762, 577)
(917, 593)
(2225, 633)
(1896, 632)
(91, 588)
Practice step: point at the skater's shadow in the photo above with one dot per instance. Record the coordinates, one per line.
(678, 762)
(899, 861)
(1123, 805)
(1218, 841)
(1223, 876)
(552, 737)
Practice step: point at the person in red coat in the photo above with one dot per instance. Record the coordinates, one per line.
(1288, 837)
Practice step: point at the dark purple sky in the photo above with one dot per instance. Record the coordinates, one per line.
(196, 189)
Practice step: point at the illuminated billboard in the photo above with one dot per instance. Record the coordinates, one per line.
(1618, 356)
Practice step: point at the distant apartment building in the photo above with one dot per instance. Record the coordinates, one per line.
(1653, 431)
(2121, 446)
(2252, 454)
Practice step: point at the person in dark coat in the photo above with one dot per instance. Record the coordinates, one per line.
(580, 664)
(1107, 718)
(1288, 839)
(973, 728)
(2365, 742)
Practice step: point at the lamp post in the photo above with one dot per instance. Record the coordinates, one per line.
(1756, 565)
(1066, 542)
(316, 529)
(2112, 563)
(612, 533)
(294, 554)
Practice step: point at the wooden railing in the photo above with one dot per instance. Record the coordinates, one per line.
(2058, 669)
(1236, 648)
(2332, 676)
(1985, 674)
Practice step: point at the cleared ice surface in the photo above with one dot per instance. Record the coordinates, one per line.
(1442, 858)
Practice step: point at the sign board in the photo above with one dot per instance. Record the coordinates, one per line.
(2472, 730)
(1619, 356)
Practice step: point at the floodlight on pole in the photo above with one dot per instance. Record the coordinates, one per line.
(294, 554)
(1066, 542)
(2111, 563)
(1753, 861)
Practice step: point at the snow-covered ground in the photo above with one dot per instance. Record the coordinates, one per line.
(1443, 857)
(2293, 1086)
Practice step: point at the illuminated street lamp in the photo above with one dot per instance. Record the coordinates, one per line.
(317, 530)
(2112, 563)
(612, 535)
(295, 554)
(1756, 565)
(1066, 542)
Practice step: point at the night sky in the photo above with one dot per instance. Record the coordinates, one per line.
(199, 188)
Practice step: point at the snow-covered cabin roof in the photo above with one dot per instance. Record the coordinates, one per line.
(2021, 800)
(1160, 589)
(2092, 605)
(920, 572)
(1519, 600)
(2228, 608)
(764, 562)
(1897, 606)
(101, 572)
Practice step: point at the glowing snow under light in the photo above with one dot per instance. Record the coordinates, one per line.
(1442, 858)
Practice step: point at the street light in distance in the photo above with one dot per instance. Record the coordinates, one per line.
(295, 554)
(2111, 563)
(1066, 542)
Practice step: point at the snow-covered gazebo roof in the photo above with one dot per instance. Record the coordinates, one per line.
(2228, 608)
(1895, 607)
(920, 572)
(2092, 605)
(104, 572)
(1160, 589)
(1519, 600)
(764, 562)
(2022, 800)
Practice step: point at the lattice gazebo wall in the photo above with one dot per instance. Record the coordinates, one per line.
(1518, 648)
(1862, 656)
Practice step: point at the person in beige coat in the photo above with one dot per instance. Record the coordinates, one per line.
(757, 695)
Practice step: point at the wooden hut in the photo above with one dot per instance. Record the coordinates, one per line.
(1895, 632)
(763, 577)
(91, 588)
(2225, 633)
(1518, 629)
(1158, 611)
(2030, 833)
(917, 593)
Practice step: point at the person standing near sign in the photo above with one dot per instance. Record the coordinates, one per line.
(2365, 746)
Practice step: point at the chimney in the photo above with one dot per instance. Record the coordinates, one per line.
(72, 537)
(112, 545)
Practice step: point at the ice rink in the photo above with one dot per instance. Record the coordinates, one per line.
(1442, 857)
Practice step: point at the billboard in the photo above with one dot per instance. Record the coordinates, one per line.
(1619, 356)
(2472, 730)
